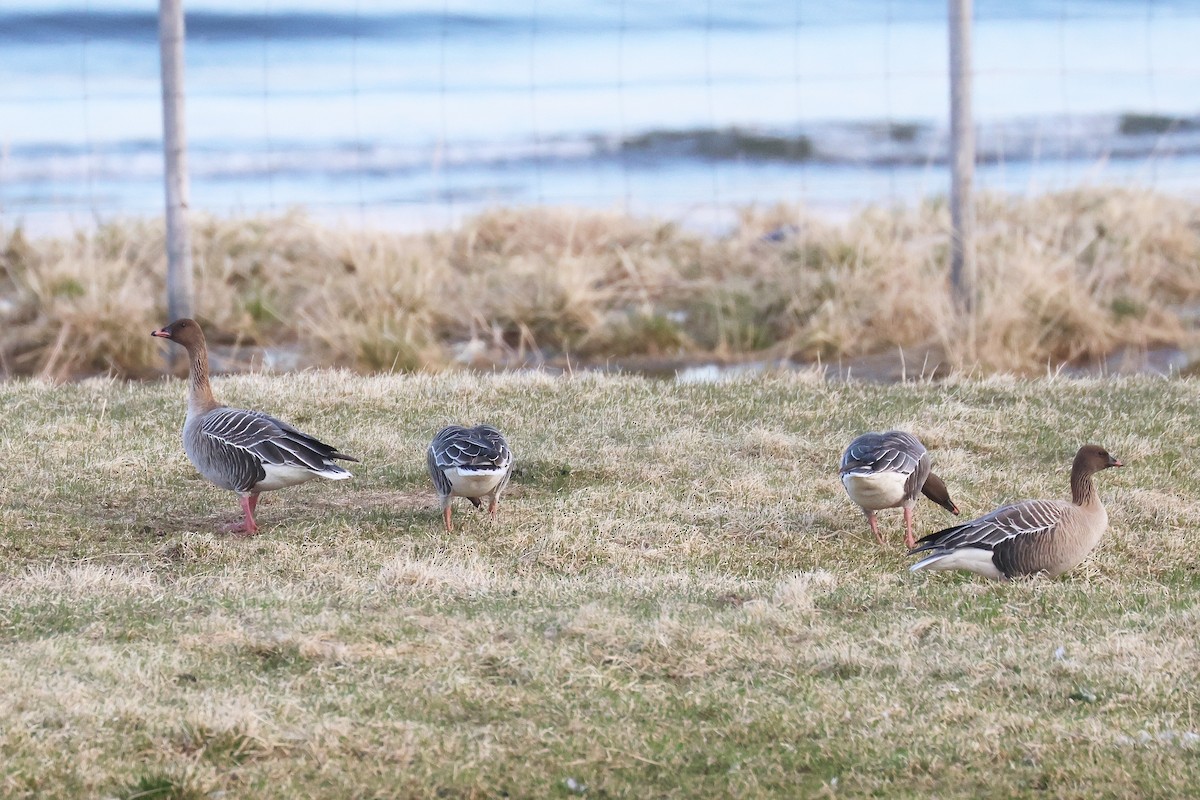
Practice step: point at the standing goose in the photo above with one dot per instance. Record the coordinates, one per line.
(1028, 537)
(471, 463)
(886, 470)
(247, 452)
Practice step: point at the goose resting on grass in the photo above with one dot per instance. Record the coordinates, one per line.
(471, 463)
(247, 452)
(886, 470)
(1028, 537)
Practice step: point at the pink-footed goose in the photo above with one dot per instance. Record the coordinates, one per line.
(886, 470)
(1028, 537)
(247, 452)
(469, 462)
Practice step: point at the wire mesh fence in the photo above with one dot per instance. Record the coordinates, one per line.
(412, 114)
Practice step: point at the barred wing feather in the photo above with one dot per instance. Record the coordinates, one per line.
(894, 451)
(457, 452)
(482, 448)
(1029, 518)
(270, 441)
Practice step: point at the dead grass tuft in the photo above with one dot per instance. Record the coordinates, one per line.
(443, 574)
(1064, 279)
(800, 592)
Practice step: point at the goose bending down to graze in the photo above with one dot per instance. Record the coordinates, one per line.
(886, 470)
(1028, 537)
(247, 452)
(469, 462)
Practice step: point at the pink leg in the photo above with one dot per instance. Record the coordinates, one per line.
(492, 507)
(909, 541)
(874, 526)
(446, 518)
(247, 526)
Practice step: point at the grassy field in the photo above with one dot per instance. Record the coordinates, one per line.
(678, 600)
(1070, 278)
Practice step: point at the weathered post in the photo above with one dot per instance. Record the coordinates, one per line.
(179, 251)
(962, 160)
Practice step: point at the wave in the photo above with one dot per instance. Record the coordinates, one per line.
(40, 27)
(32, 26)
(127, 26)
(872, 145)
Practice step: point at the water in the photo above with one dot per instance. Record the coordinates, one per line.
(414, 114)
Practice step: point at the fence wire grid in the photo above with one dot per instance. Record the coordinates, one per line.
(415, 115)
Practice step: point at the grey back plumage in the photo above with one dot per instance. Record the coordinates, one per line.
(892, 451)
(482, 447)
(232, 448)
(1028, 517)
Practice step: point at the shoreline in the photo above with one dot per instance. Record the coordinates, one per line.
(696, 175)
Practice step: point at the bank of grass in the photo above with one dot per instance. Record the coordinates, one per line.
(678, 599)
(1064, 279)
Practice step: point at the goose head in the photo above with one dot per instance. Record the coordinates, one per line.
(186, 332)
(1092, 458)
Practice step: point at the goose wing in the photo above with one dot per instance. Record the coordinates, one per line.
(1020, 522)
(260, 438)
(894, 451)
(481, 448)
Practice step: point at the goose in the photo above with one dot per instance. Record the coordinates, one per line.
(469, 462)
(886, 470)
(247, 452)
(1028, 537)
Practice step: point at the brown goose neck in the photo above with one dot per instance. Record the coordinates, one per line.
(200, 395)
(1083, 492)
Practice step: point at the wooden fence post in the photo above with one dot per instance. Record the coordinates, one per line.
(963, 278)
(179, 251)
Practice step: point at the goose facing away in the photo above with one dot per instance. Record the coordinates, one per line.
(1028, 537)
(469, 462)
(886, 470)
(247, 452)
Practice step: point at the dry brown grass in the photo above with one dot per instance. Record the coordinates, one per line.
(677, 601)
(1064, 278)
